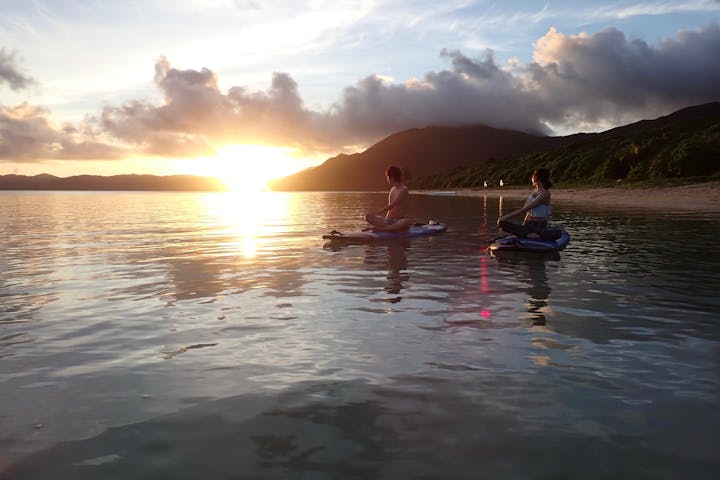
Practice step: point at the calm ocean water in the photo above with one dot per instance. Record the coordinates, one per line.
(190, 335)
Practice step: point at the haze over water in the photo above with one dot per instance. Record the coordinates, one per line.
(196, 335)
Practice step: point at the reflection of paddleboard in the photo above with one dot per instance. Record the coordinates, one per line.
(512, 242)
(417, 230)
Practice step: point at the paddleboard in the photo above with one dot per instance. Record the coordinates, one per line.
(417, 230)
(514, 243)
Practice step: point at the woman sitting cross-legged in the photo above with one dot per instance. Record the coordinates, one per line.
(536, 209)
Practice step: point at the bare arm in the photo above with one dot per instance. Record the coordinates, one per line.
(401, 195)
(542, 198)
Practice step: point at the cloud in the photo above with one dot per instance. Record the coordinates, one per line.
(574, 83)
(10, 74)
(607, 78)
(621, 11)
(472, 92)
(586, 81)
(196, 115)
(27, 134)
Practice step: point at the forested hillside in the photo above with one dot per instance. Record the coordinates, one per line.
(683, 145)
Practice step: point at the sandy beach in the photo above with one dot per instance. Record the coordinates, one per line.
(704, 197)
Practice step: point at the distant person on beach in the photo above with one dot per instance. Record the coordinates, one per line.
(536, 209)
(395, 211)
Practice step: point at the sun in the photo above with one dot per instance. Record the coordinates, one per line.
(250, 167)
(246, 167)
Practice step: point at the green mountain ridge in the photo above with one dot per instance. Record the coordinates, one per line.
(684, 144)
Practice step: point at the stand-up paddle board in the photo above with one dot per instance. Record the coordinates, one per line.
(370, 235)
(515, 243)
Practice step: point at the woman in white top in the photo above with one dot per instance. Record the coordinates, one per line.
(536, 209)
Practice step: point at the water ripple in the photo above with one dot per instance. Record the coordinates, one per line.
(121, 308)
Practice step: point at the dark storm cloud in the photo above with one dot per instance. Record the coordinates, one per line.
(10, 74)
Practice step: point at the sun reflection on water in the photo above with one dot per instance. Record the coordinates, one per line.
(252, 218)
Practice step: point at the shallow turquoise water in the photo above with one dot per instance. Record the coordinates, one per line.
(188, 335)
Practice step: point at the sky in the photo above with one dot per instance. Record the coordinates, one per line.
(251, 88)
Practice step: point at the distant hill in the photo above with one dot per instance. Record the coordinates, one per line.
(419, 152)
(116, 182)
(683, 144)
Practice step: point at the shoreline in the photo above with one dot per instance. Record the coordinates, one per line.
(701, 197)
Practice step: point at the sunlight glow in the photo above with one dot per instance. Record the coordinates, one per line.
(247, 168)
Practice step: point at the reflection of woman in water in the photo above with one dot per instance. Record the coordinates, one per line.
(536, 209)
(397, 274)
(530, 270)
(393, 257)
(538, 292)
